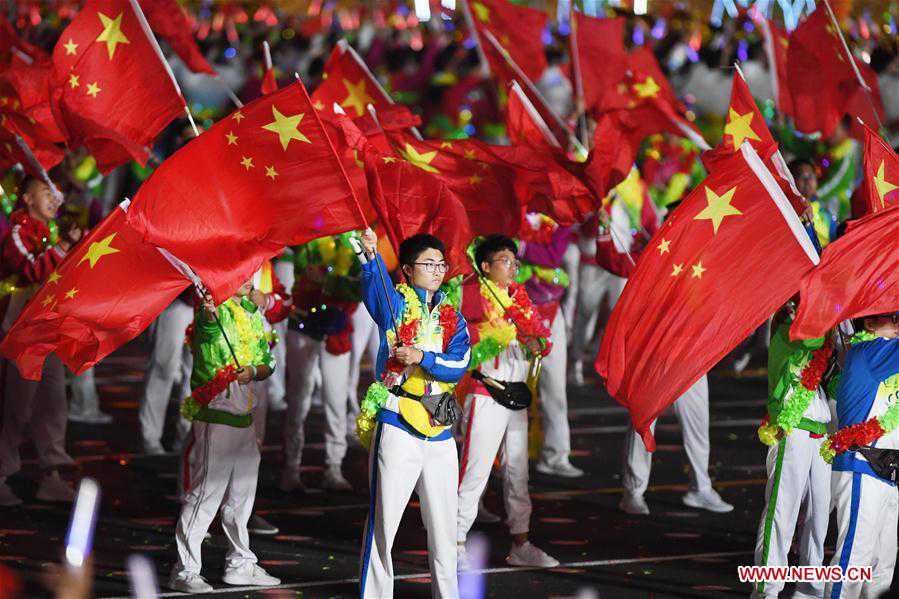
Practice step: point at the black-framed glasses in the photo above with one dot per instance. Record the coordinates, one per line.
(434, 267)
(508, 262)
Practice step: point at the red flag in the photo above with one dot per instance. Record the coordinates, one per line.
(881, 182)
(106, 291)
(269, 83)
(167, 18)
(409, 200)
(701, 286)
(857, 276)
(10, 43)
(110, 90)
(16, 130)
(348, 83)
(518, 29)
(777, 41)
(602, 55)
(258, 180)
(28, 84)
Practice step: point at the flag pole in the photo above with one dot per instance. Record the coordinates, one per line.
(37, 166)
(469, 20)
(858, 74)
(578, 79)
(535, 116)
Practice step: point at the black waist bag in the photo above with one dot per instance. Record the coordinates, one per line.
(884, 462)
(514, 396)
(442, 407)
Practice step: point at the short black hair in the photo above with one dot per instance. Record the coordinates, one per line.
(493, 244)
(798, 163)
(29, 183)
(412, 247)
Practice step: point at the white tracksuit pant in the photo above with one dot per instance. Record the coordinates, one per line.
(365, 341)
(867, 509)
(593, 283)
(170, 360)
(570, 264)
(221, 471)
(303, 353)
(797, 477)
(277, 383)
(34, 410)
(85, 399)
(400, 463)
(692, 410)
(553, 399)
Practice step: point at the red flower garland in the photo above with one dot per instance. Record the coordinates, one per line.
(208, 391)
(863, 433)
(408, 331)
(526, 318)
(814, 372)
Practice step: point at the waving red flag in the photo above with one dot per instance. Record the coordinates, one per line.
(857, 276)
(602, 55)
(701, 286)
(167, 18)
(110, 90)
(349, 84)
(106, 291)
(777, 41)
(25, 88)
(16, 130)
(518, 29)
(260, 179)
(11, 43)
(881, 182)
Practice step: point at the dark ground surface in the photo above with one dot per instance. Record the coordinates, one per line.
(674, 552)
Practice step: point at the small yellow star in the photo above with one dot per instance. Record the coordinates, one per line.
(718, 207)
(47, 301)
(647, 89)
(70, 47)
(71, 293)
(481, 12)
(232, 139)
(247, 162)
(73, 80)
(53, 278)
(475, 179)
(112, 33)
(663, 247)
(93, 89)
(469, 154)
(421, 160)
(446, 145)
(287, 127)
(238, 116)
(882, 185)
(677, 269)
(98, 249)
(271, 172)
(388, 159)
(698, 270)
(318, 105)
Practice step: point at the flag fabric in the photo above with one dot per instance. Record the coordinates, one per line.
(167, 18)
(110, 90)
(881, 181)
(11, 43)
(601, 54)
(857, 276)
(16, 130)
(269, 82)
(108, 289)
(260, 179)
(724, 261)
(518, 29)
(410, 200)
(823, 85)
(777, 41)
(349, 84)
(25, 88)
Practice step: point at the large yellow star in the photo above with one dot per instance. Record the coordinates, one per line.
(70, 47)
(287, 127)
(698, 270)
(73, 80)
(112, 33)
(357, 98)
(718, 207)
(647, 89)
(93, 89)
(663, 246)
(481, 12)
(421, 160)
(98, 249)
(739, 127)
(882, 185)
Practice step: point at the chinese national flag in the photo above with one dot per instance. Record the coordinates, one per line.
(13, 125)
(110, 91)
(701, 286)
(777, 41)
(601, 53)
(259, 179)
(107, 290)
(10, 43)
(858, 276)
(518, 29)
(349, 84)
(25, 88)
(410, 200)
(881, 173)
(167, 18)
(269, 83)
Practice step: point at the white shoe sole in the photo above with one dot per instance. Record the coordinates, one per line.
(708, 508)
(249, 582)
(522, 564)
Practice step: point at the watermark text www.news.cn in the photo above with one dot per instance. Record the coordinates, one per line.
(804, 574)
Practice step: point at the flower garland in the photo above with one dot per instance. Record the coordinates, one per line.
(507, 320)
(202, 395)
(863, 433)
(804, 388)
(376, 395)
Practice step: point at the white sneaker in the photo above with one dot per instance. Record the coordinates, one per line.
(334, 481)
(577, 375)
(742, 362)
(485, 516)
(249, 575)
(290, 482)
(154, 449)
(707, 500)
(633, 504)
(462, 564)
(7, 497)
(563, 469)
(53, 488)
(528, 554)
(187, 582)
(95, 417)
